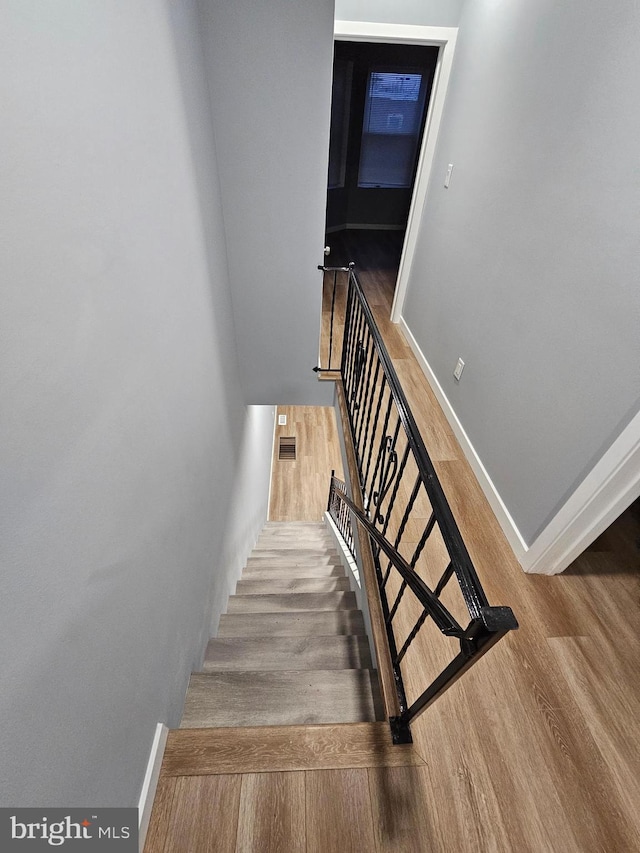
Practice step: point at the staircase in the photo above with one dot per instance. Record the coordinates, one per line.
(291, 648)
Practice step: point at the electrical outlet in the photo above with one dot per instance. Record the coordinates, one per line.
(282, 420)
(457, 373)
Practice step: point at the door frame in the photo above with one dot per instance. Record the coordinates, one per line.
(445, 39)
(607, 490)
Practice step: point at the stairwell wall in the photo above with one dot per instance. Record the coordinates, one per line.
(426, 13)
(122, 416)
(269, 71)
(248, 504)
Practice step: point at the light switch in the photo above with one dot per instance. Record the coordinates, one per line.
(447, 179)
(457, 373)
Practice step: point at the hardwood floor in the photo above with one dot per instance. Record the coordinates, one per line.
(536, 749)
(300, 487)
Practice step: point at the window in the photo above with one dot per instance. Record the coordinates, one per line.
(393, 114)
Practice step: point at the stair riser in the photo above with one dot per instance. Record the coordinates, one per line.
(292, 560)
(293, 553)
(280, 698)
(271, 585)
(292, 572)
(298, 541)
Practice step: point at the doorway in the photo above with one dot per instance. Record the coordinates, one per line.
(380, 100)
(444, 38)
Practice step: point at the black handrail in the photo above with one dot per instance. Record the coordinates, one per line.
(387, 445)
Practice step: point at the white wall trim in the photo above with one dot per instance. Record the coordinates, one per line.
(273, 451)
(445, 39)
(505, 520)
(150, 783)
(608, 489)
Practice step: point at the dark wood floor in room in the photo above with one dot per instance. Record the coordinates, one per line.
(536, 749)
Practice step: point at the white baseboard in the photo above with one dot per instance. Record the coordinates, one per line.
(147, 795)
(505, 520)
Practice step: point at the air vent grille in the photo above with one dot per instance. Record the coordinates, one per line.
(287, 447)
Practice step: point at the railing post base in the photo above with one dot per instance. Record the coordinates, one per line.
(400, 731)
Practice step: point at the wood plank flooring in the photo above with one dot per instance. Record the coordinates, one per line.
(535, 750)
(300, 488)
(267, 749)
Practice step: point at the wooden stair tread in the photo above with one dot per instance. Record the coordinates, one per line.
(293, 555)
(291, 623)
(281, 698)
(310, 543)
(287, 653)
(279, 571)
(264, 749)
(297, 535)
(256, 586)
(297, 601)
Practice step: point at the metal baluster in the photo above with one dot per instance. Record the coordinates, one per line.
(364, 438)
(387, 472)
(405, 516)
(368, 391)
(333, 308)
(416, 554)
(423, 539)
(358, 389)
(444, 580)
(396, 603)
(356, 331)
(394, 493)
(380, 451)
(359, 333)
(349, 337)
(411, 636)
(383, 387)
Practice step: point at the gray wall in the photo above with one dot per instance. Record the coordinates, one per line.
(428, 13)
(248, 502)
(270, 68)
(527, 266)
(121, 421)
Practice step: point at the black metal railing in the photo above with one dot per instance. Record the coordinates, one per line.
(338, 509)
(334, 288)
(440, 627)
